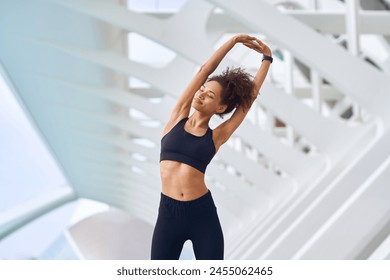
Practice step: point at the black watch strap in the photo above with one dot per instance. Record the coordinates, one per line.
(266, 57)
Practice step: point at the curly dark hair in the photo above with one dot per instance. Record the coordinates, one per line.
(236, 88)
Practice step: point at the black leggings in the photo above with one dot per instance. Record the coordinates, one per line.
(179, 221)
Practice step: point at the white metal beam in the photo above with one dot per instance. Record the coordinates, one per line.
(17, 217)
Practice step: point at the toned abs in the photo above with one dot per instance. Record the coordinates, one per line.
(186, 184)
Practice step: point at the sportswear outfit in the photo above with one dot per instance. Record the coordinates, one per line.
(196, 220)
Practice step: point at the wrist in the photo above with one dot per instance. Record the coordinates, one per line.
(267, 52)
(267, 57)
(235, 39)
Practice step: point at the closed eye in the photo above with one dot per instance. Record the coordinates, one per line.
(210, 94)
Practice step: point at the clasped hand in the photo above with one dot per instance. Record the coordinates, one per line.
(253, 43)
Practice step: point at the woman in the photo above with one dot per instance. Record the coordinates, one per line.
(187, 210)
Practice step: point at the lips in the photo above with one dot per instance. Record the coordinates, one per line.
(197, 100)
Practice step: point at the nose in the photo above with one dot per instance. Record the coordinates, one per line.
(201, 94)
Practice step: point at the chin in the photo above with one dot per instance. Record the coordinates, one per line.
(195, 105)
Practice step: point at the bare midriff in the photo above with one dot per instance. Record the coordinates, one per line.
(181, 181)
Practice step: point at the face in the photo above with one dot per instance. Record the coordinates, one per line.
(207, 98)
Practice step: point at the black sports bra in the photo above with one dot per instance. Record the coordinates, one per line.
(182, 146)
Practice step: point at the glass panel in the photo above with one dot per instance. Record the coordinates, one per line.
(27, 169)
(155, 5)
(144, 50)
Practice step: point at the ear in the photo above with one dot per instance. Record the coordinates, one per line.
(221, 108)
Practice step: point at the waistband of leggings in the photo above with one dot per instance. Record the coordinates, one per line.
(198, 201)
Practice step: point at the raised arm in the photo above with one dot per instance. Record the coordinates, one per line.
(224, 131)
(183, 105)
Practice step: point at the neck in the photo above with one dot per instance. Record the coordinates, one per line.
(199, 120)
